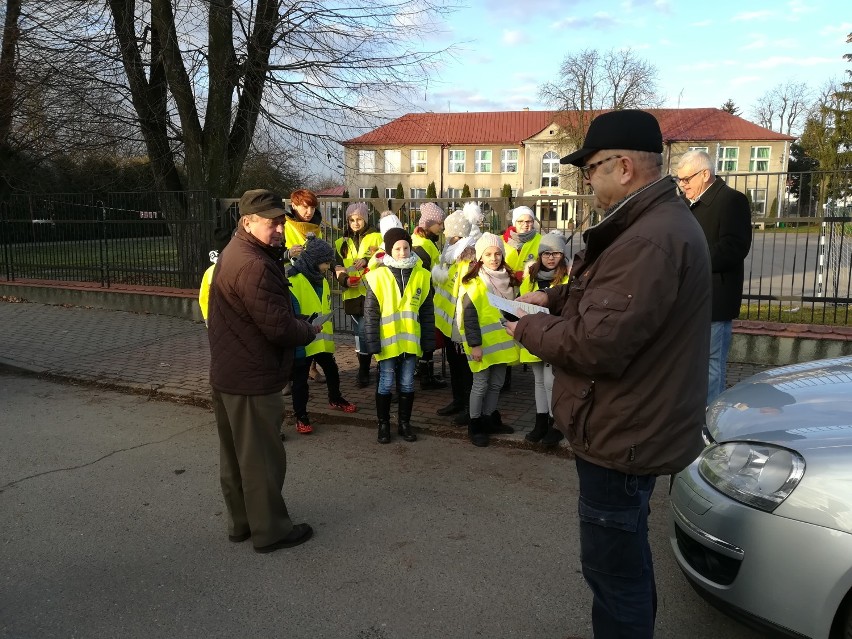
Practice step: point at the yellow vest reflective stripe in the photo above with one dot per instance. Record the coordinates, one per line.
(497, 346)
(528, 286)
(445, 300)
(429, 246)
(310, 303)
(517, 259)
(399, 328)
(368, 242)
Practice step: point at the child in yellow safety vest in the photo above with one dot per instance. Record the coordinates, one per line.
(489, 348)
(550, 269)
(312, 296)
(399, 325)
(457, 253)
(354, 250)
(425, 240)
(221, 237)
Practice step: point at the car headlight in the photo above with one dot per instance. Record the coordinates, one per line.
(758, 475)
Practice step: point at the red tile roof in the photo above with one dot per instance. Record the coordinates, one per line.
(513, 127)
(334, 191)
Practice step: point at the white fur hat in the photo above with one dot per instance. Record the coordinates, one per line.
(388, 222)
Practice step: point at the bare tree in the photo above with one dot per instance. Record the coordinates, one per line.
(590, 81)
(192, 81)
(8, 66)
(784, 107)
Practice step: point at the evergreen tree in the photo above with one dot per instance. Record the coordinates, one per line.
(431, 193)
(730, 107)
(465, 191)
(506, 191)
(400, 193)
(375, 192)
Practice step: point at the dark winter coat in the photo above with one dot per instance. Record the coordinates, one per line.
(373, 316)
(725, 218)
(252, 327)
(629, 337)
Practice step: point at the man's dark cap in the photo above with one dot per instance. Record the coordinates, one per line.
(263, 203)
(629, 129)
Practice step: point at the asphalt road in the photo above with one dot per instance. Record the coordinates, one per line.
(113, 527)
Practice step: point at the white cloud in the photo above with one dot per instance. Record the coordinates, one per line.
(779, 61)
(799, 6)
(600, 20)
(512, 38)
(752, 15)
(841, 29)
(755, 41)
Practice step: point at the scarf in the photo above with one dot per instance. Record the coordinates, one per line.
(310, 271)
(405, 264)
(497, 282)
(545, 275)
(517, 240)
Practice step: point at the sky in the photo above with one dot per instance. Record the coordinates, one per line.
(705, 52)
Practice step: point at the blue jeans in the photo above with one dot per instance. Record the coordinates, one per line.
(614, 551)
(720, 344)
(402, 365)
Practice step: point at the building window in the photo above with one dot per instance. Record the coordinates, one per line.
(550, 169)
(477, 193)
(389, 193)
(418, 194)
(509, 161)
(418, 161)
(367, 161)
(393, 160)
(727, 160)
(759, 161)
(456, 162)
(364, 193)
(454, 195)
(758, 201)
(699, 148)
(482, 161)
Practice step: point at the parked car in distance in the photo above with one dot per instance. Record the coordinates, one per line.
(761, 522)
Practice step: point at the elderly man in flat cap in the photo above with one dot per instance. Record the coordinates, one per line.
(629, 347)
(253, 336)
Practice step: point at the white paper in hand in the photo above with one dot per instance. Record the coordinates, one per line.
(321, 319)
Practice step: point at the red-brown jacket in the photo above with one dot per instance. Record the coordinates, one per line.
(629, 337)
(252, 328)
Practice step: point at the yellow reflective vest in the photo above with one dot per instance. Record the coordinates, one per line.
(497, 346)
(297, 232)
(399, 327)
(204, 291)
(309, 303)
(446, 297)
(428, 246)
(516, 259)
(528, 286)
(369, 245)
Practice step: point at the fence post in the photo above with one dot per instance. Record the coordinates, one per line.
(4, 234)
(820, 261)
(104, 249)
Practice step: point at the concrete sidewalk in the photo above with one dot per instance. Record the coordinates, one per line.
(169, 357)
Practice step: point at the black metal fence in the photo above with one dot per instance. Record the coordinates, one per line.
(799, 267)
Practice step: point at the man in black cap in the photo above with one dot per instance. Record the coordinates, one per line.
(628, 347)
(253, 334)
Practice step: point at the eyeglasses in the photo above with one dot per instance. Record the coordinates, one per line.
(551, 254)
(586, 171)
(685, 180)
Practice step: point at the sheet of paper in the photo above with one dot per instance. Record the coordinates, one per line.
(510, 306)
(322, 319)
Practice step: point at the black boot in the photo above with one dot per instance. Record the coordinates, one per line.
(383, 415)
(406, 402)
(428, 381)
(364, 370)
(477, 433)
(553, 435)
(463, 418)
(459, 397)
(496, 425)
(507, 383)
(542, 424)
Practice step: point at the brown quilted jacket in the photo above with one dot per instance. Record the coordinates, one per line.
(252, 328)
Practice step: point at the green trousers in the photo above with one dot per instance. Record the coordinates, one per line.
(252, 465)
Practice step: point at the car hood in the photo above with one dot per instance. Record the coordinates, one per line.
(800, 406)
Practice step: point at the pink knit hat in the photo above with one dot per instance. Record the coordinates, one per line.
(357, 208)
(430, 213)
(487, 240)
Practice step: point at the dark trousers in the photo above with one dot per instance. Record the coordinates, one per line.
(252, 465)
(614, 551)
(461, 379)
(301, 366)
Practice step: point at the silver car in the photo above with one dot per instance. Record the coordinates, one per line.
(762, 520)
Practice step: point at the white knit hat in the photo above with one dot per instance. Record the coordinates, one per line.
(456, 225)
(388, 222)
(522, 210)
(487, 240)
